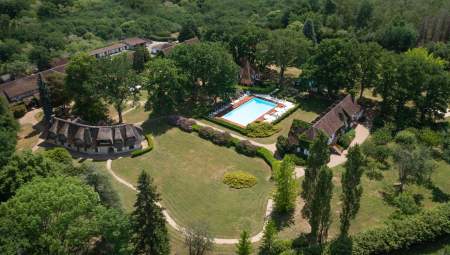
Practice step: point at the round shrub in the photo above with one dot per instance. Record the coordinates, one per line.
(239, 180)
(430, 138)
(382, 136)
(222, 138)
(206, 133)
(186, 124)
(246, 147)
(19, 111)
(405, 137)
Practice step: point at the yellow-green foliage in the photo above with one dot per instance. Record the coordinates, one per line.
(239, 180)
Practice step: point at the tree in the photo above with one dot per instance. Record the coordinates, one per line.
(386, 84)
(56, 87)
(286, 187)
(334, 66)
(319, 155)
(210, 70)
(320, 219)
(149, 227)
(140, 57)
(329, 7)
(166, 86)
(351, 187)
(44, 97)
(60, 215)
(309, 31)
(243, 43)
(117, 82)
(269, 239)
(284, 48)
(88, 103)
(365, 14)
(22, 168)
(370, 55)
(244, 247)
(414, 165)
(198, 240)
(8, 132)
(188, 30)
(41, 57)
(398, 36)
(14, 7)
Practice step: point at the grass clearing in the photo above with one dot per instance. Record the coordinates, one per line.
(27, 137)
(188, 172)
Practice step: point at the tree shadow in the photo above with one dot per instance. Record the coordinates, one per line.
(437, 194)
(282, 220)
(156, 125)
(313, 103)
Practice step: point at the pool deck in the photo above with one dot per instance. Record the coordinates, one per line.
(241, 102)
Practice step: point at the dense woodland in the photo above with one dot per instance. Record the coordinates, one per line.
(393, 55)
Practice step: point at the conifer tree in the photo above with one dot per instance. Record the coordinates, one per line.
(286, 187)
(319, 155)
(320, 217)
(351, 187)
(149, 226)
(269, 239)
(44, 96)
(244, 247)
(140, 57)
(309, 31)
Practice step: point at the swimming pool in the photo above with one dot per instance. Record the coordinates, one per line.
(249, 111)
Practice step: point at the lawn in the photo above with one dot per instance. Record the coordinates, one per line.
(138, 114)
(309, 109)
(188, 172)
(27, 137)
(373, 211)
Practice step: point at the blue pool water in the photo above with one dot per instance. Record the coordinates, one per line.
(250, 111)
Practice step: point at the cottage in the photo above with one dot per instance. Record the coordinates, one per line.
(334, 122)
(134, 42)
(109, 50)
(77, 136)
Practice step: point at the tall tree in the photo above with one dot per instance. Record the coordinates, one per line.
(351, 187)
(140, 57)
(44, 97)
(117, 82)
(244, 247)
(309, 31)
(286, 187)
(269, 239)
(320, 219)
(334, 66)
(41, 57)
(55, 84)
(60, 215)
(8, 132)
(210, 71)
(150, 234)
(284, 48)
(370, 55)
(330, 7)
(365, 14)
(319, 155)
(398, 36)
(88, 104)
(166, 85)
(188, 30)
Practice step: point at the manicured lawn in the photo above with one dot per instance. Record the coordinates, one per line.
(138, 114)
(373, 211)
(188, 172)
(27, 137)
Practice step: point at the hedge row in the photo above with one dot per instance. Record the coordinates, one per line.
(225, 139)
(143, 151)
(400, 234)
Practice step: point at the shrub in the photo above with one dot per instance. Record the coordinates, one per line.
(246, 147)
(400, 234)
(149, 139)
(260, 129)
(239, 180)
(430, 138)
(140, 152)
(405, 137)
(346, 139)
(297, 160)
(282, 145)
(382, 136)
(381, 153)
(186, 124)
(196, 127)
(206, 133)
(406, 204)
(19, 110)
(222, 138)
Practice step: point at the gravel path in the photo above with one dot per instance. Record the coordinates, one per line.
(173, 224)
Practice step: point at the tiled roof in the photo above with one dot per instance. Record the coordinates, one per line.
(134, 41)
(107, 48)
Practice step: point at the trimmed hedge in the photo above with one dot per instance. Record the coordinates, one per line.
(239, 180)
(400, 234)
(247, 148)
(136, 153)
(227, 125)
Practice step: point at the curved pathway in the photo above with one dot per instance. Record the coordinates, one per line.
(173, 224)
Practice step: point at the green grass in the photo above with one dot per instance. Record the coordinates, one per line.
(188, 172)
(138, 114)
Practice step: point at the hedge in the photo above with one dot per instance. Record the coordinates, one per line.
(228, 125)
(286, 114)
(239, 180)
(400, 234)
(143, 151)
